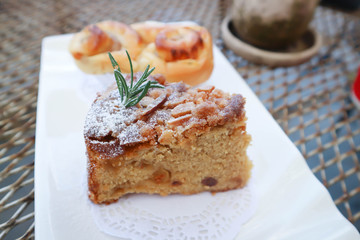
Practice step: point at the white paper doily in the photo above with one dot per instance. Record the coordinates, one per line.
(199, 216)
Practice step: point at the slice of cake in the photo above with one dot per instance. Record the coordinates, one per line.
(177, 139)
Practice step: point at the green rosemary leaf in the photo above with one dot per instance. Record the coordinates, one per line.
(151, 70)
(123, 83)
(142, 79)
(113, 62)
(142, 95)
(131, 103)
(131, 70)
(136, 92)
(156, 86)
(132, 95)
(141, 88)
(155, 82)
(119, 84)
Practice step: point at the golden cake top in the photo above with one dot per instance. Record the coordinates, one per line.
(169, 115)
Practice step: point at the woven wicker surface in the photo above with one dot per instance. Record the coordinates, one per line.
(311, 102)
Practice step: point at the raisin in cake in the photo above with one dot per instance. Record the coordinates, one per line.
(175, 140)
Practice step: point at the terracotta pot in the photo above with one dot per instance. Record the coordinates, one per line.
(272, 24)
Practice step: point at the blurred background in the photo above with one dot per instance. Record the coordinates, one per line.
(311, 101)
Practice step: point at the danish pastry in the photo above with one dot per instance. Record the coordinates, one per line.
(181, 52)
(90, 47)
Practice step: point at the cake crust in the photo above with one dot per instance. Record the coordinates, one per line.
(175, 140)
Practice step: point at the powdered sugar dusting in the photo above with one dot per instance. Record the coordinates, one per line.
(108, 117)
(111, 149)
(130, 135)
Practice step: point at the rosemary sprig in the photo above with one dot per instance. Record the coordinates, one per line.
(131, 95)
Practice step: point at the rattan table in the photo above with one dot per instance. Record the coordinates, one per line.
(311, 102)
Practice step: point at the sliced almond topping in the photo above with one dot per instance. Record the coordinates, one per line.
(180, 120)
(146, 101)
(207, 88)
(156, 92)
(154, 105)
(174, 102)
(182, 109)
(204, 109)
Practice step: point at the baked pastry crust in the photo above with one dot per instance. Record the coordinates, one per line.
(176, 140)
(91, 45)
(181, 52)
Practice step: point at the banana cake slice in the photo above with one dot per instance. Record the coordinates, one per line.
(177, 139)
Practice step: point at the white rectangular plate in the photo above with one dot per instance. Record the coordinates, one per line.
(292, 203)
